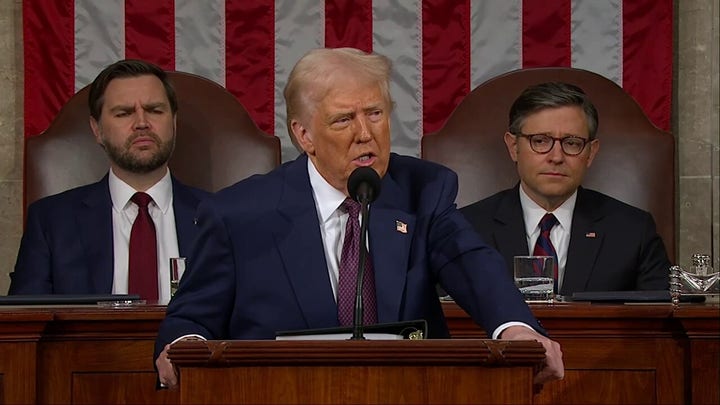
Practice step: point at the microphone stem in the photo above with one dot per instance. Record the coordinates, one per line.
(359, 310)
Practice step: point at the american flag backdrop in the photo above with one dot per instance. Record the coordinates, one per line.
(440, 49)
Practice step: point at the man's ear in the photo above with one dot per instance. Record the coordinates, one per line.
(511, 144)
(302, 137)
(594, 148)
(95, 126)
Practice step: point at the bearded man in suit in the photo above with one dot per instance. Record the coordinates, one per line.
(79, 241)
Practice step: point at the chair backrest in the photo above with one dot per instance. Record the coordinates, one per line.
(217, 143)
(636, 162)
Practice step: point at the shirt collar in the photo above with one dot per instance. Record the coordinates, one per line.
(533, 213)
(327, 197)
(121, 192)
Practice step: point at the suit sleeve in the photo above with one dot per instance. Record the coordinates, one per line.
(32, 273)
(471, 271)
(654, 268)
(205, 297)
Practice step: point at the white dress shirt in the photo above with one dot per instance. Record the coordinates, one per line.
(124, 212)
(333, 219)
(560, 233)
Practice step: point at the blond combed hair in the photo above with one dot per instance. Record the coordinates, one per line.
(314, 75)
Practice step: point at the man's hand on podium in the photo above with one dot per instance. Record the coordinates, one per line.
(554, 368)
(167, 374)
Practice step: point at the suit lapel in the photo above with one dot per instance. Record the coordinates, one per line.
(510, 239)
(585, 242)
(94, 219)
(299, 243)
(390, 247)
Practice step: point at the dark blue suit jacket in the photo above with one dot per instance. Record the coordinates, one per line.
(259, 265)
(67, 247)
(613, 246)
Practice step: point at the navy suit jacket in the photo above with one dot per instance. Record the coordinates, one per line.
(613, 246)
(67, 247)
(259, 265)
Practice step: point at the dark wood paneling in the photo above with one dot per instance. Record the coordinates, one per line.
(17, 372)
(611, 340)
(88, 354)
(356, 385)
(63, 359)
(119, 388)
(20, 330)
(601, 387)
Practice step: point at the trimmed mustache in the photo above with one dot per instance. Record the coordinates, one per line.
(139, 134)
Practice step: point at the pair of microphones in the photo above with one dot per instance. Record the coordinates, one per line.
(363, 187)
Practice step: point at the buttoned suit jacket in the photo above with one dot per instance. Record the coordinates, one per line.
(67, 247)
(259, 266)
(613, 246)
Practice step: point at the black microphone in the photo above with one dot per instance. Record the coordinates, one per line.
(363, 187)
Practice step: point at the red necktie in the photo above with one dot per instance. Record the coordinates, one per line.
(543, 246)
(348, 272)
(142, 265)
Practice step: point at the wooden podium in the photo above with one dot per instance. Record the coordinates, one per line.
(460, 371)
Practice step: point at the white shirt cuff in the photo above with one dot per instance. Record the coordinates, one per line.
(187, 336)
(506, 325)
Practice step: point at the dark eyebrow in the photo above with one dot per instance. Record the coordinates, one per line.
(146, 107)
(152, 106)
(549, 135)
(122, 108)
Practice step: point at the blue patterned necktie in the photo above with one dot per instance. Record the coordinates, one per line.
(544, 247)
(347, 279)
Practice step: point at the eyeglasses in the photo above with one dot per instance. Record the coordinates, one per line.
(543, 143)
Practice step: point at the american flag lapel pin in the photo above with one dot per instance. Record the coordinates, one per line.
(400, 226)
(590, 235)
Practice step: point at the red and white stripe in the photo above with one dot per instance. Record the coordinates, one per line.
(441, 49)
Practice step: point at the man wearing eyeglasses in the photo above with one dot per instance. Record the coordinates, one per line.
(600, 243)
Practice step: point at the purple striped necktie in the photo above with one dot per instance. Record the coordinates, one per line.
(544, 247)
(347, 278)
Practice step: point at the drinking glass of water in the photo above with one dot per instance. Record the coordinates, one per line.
(177, 268)
(534, 277)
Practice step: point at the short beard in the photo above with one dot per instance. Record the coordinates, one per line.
(122, 156)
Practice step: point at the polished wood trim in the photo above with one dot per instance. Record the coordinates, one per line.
(354, 372)
(360, 352)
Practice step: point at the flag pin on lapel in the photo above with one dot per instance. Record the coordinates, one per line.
(401, 226)
(590, 235)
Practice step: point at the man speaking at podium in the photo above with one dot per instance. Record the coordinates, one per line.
(270, 255)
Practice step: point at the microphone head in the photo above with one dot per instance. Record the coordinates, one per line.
(364, 183)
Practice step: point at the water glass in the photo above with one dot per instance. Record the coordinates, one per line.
(534, 277)
(177, 268)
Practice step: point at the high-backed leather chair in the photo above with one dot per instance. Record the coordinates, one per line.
(635, 164)
(217, 143)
